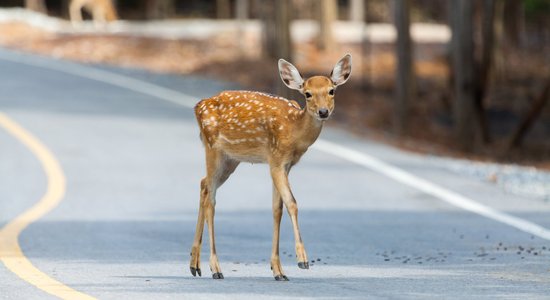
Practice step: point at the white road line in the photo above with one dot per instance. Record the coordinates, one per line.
(430, 188)
(345, 153)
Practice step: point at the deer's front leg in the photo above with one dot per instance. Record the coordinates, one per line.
(277, 214)
(280, 180)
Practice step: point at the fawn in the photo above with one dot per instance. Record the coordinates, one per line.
(102, 11)
(243, 126)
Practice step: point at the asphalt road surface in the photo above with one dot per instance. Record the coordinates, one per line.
(377, 222)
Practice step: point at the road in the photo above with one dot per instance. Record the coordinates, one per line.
(127, 145)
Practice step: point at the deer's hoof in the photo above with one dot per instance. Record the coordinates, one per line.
(195, 271)
(217, 276)
(281, 278)
(303, 265)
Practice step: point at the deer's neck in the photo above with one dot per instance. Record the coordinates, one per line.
(308, 129)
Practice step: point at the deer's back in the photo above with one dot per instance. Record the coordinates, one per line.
(248, 126)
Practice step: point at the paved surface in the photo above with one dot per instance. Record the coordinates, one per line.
(133, 164)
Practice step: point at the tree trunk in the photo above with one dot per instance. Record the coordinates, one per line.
(513, 21)
(278, 43)
(404, 72)
(463, 61)
(357, 14)
(242, 9)
(160, 9)
(482, 80)
(277, 29)
(530, 117)
(499, 59)
(223, 9)
(357, 10)
(452, 7)
(36, 5)
(328, 13)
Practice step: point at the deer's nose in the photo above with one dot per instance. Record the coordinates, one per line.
(323, 113)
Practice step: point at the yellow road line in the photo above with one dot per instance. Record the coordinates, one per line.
(10, 252)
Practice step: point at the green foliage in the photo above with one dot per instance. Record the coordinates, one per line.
(536, 8)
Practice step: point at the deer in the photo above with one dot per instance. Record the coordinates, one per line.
(102, 11)
(254, 127)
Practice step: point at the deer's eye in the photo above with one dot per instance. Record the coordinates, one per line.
(331, 92)
(308, 95)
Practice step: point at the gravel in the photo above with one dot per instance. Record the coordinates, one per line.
(514, 179)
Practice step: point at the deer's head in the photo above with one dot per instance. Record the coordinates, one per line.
(318, 90)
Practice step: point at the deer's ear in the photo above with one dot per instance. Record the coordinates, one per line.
(290, 75)
(341, 71)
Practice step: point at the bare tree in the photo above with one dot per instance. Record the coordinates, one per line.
(404, 85)
(357, 14)
(278, 43)
(223, 9)
(513, 21)
(463, 69)
(36, 5)
(529, 119)
(242, 8)
(328, 13)
(357, 10)
(484, 66)
(159, 9)
(242, 11)
(277, 29)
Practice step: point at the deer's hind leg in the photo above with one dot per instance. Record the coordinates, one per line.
(195, 264)
(218, 169)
